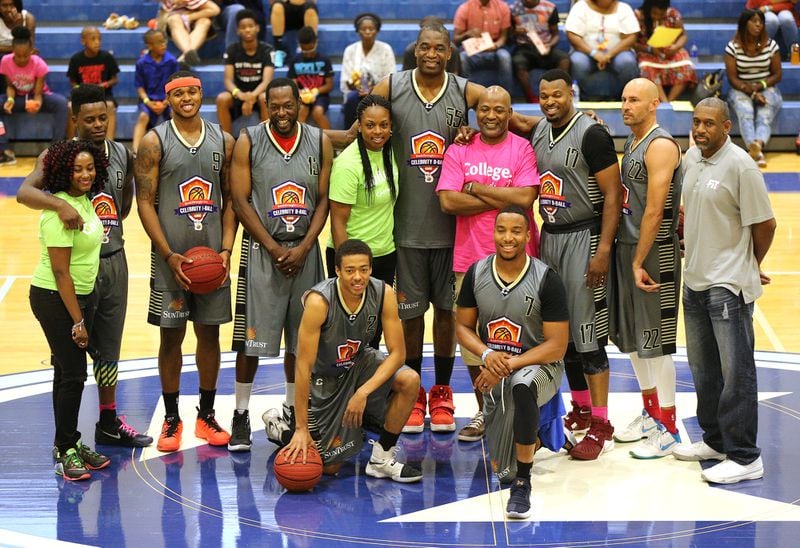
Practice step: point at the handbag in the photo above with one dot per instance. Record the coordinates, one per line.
(708, 86)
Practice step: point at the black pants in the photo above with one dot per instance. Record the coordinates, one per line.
(69, 361)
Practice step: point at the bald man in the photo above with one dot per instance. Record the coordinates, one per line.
(644, 311)
(491, 172)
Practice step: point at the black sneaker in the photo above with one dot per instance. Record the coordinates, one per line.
(519, 502)
(7, 158)
(92, 459)
(123, 434)
(241, 438)
(71, 467)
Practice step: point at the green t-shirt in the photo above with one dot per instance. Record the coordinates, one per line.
(370, 221)
(85, 258)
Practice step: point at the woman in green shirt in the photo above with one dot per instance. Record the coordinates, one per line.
(363, 190)
(61, 294)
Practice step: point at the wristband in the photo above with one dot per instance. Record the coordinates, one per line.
(146, 100)
(763, 84)
(235, 91)
(486, 353)
(10, 100)
(593, 53)
(170, 254)
(225, 249)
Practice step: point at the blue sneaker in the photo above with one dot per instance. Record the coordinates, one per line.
(519, 502)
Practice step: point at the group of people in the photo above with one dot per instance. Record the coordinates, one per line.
(416, 210)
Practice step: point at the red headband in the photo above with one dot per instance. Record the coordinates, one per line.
(183, 81)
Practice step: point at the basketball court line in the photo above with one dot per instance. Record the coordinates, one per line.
(761, 318)
(6, 287)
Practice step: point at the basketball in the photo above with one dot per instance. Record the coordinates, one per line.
(298, 477)
(429, 147)
(206, 273)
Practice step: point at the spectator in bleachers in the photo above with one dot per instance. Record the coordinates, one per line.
(364, 64)
(668, 67)
(778, 16)
(410, 58)
(26, 90)
(188, 23)
(602, 33)
(753, 66)
(537, 18)
(226, 20)
(93, 65)
(152, 71)
(313, 74)
(248, 72)
(472, 19)
(291, 15)
(12, 15)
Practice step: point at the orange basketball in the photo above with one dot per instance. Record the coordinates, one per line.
(206, 273)
(298, 477)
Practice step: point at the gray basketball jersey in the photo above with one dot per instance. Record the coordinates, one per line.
(509, 316)
(422, 132)
(568, 192)
(285, 185)
(108, 203)
(189, 200)
(344, 335)
(634, 188)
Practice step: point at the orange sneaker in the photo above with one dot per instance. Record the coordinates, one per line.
(170, 438)
(416, 421)
(207, 428)
(440, 403)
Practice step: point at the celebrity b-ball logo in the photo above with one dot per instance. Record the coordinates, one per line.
(290, 203)
(347, 353)
(504, 336)
(427, 153)
(106, 210)
(551, 195)
(196, 202)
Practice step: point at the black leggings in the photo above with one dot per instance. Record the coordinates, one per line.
(69, 361)
(526, 414)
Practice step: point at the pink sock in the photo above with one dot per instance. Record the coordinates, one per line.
(582, 397)
(108, 406)
(601, 412)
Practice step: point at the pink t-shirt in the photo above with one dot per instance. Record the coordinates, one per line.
(510, 163)
(23, 78)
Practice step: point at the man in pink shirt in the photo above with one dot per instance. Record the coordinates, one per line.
(494, 170)
(472, 19)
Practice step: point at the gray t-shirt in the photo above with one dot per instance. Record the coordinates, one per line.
(723, 196)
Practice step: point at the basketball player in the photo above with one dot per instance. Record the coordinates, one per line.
(350, 384)
(521, 308)
(184, 201)
(648, 268)
(90, 117)
(579, 200)
(279, 185)
(490, 172)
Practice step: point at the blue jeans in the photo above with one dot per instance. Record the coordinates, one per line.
(624, 67)
(755, 122)
(498, 61)
(719, 345)
(785, 21)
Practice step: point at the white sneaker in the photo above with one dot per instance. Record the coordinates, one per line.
(278, 432)
(729, 471)
(697, 451)
(641, 427)
(659, 443)
(383, 464)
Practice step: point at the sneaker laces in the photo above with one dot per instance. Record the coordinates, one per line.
(86, 450)
(170, 427)
(477, 421)
(72, 458)
(211, 421)
(126, 428)
(391, 458)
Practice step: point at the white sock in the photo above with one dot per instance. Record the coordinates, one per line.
(243, 390)
(289, 393)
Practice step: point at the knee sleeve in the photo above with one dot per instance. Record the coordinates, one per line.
(573, 367)
(595, 362)
(526, 414)
(105, 372)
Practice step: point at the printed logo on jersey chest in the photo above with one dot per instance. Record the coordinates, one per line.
(427, 153)
(195, 200)
(289, 201)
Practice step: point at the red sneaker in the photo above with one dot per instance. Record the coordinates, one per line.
(598, 440)
(579, 419)
(208, 428)
(170, 438)
(416, 420)
(440, 405)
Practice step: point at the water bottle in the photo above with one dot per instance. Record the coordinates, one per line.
(795, 57)
(694, 51)
(576, 91)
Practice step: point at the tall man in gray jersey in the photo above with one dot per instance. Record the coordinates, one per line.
(279, 184)
(90, 116)
(729, 226)
(183, 198)
(647, 269)
(579, 200)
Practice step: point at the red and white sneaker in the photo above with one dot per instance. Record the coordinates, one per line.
(598, 440)
(579, 419)
(441, 408)
(416, 420)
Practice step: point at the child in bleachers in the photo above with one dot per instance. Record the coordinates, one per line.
(313, 74)
(188, 23)
(152, 70)
(93, 65)
(248, 71)
(26, 90)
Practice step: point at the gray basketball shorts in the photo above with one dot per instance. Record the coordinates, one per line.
(642, 322)
(498, 411)
(268, 303)
(424, 276)
(173, 308)
(329, 399)
(111, 288)
(569, 254)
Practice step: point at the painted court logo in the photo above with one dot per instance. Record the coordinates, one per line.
(427, 153)
(106, 210)
(551, 195)
(196, 202)
(504, 335)
(347, 353)
(290, 203)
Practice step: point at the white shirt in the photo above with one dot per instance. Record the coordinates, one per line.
(378, 63)
(601, 31)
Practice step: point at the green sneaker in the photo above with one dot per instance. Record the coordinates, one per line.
(92, 459)
(71, 467)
